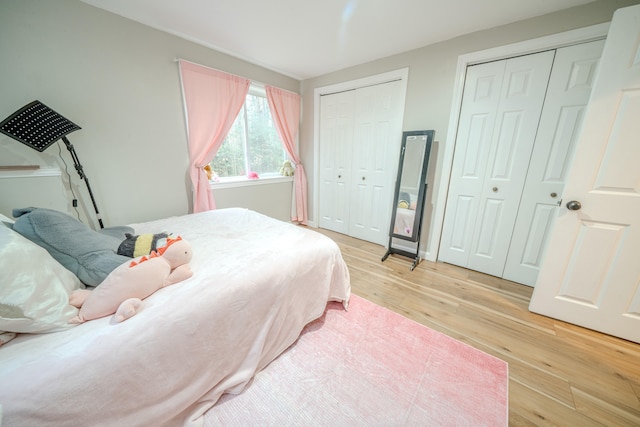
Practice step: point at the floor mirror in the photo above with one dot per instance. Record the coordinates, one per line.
(410, 195)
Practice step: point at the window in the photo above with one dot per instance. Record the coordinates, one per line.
(253, 144)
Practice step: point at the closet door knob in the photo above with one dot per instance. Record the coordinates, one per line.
(339, 176)
(494, 189)
(363, 178)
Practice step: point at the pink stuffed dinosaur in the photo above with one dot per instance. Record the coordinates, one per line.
(125, 287)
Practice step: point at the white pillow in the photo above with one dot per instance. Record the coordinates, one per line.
(34, 287)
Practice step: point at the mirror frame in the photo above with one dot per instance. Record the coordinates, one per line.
(422, 185)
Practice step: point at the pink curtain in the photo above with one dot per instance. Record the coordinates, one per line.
(285, 110)
(213, 99)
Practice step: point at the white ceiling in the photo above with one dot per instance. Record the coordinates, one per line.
(307, 38)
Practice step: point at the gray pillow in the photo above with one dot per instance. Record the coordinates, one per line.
(91, 255)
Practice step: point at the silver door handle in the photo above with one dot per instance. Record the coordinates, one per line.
(574, 205)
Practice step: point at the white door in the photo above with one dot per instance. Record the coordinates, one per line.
(377, 139)
(477, 119)
(590, 275)
(360, 137)
(336, 144)
(491, 158)
(570, 84)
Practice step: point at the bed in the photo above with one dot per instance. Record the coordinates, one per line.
(257, 282)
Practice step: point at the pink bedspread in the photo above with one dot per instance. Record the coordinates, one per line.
(257, 282)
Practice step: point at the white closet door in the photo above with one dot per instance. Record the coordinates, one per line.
(377, 138)
(360, 136)
(523, 92)
(336, 144)
(570, 85)
(480, 101)
(501, 177)
(591, 274)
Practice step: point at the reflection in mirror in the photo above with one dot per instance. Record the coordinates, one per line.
(411, 168)
(410, 191)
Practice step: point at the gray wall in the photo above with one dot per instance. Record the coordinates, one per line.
(119, 81)
(432, 72)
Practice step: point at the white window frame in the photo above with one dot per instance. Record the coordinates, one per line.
(255, 89)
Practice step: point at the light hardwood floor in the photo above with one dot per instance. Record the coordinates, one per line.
(559, 374)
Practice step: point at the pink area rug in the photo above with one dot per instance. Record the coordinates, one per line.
(369, 366)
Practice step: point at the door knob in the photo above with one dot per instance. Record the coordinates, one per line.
(574, 205)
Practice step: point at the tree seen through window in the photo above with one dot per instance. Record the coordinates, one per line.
(252, 144)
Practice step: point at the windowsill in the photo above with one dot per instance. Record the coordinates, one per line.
(246, 182)
(30, 173)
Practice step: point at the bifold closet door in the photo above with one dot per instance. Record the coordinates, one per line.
(572, 78)
(377, 139)
(501, 107)
(336, 144)
(360, 136)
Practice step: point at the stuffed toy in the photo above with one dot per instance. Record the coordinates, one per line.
(125, 287)
(143, 244)
(209, 172)
(287, 169)
(405, 200)
(253, 175)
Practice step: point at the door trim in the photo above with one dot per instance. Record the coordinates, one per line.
(401, 74)
(443, 170)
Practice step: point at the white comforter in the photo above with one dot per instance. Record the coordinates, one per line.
(256, 283)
